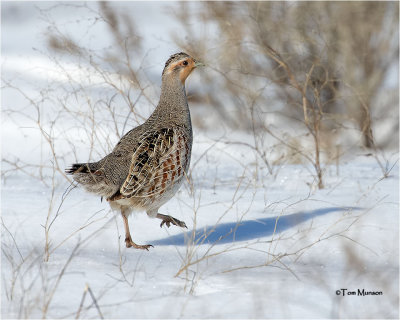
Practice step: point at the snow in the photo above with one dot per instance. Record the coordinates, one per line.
(258, 245)
(352, 231)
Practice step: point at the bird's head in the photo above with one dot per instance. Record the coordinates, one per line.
(180, 65)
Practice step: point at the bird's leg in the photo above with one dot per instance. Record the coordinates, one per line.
(128, 240)
(168, 220)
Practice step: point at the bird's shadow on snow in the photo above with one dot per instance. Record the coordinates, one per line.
(247, 229)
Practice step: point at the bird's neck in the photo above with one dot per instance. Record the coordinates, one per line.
(173, 103)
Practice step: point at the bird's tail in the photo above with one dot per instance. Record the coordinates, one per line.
(91, 178)
(88, 175)
(82, 168)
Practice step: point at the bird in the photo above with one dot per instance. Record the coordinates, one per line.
(150, 162)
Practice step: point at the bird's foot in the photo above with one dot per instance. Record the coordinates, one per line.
(129, 243)
(168, 220)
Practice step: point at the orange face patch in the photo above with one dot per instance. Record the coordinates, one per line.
(186, 66)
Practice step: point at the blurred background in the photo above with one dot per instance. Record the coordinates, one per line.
(296, 82)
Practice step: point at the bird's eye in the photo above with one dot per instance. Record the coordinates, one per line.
(185, 63)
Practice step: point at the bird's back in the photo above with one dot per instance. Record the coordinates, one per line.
(147, 165)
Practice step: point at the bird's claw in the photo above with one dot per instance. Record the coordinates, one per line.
(129, 243)
(168, 220)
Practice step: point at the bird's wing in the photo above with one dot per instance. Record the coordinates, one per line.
(152, 151)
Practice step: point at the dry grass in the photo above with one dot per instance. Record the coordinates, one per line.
(298, 81)
(318, 67)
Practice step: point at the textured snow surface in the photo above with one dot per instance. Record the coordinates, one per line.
(355, 220)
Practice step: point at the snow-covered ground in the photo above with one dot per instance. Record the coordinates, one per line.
(258, 245)
(273, 250)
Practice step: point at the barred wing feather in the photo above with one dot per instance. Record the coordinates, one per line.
(154, 148)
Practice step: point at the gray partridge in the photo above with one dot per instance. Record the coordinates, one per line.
(150, 162)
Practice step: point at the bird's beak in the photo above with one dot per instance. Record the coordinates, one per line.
(198, 64)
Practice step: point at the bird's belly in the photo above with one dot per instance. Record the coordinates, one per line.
(152, 197)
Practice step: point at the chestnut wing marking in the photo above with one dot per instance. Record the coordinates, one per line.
(153, 148)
